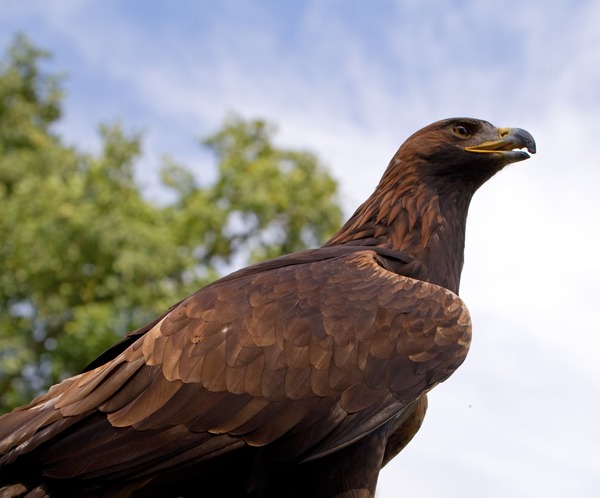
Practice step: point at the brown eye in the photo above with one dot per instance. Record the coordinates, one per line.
(461, 131)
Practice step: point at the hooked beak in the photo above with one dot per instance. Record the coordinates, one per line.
(511, 139)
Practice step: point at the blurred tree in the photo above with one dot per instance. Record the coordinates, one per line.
(84, 257)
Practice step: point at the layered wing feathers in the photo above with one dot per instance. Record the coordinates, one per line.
(292, 353)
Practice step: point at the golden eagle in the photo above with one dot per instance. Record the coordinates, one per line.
(297, 377)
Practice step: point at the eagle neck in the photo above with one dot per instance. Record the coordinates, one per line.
(425, 218)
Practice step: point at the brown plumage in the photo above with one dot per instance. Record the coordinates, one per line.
(301, 376)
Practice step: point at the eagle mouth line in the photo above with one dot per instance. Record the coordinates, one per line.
(514, 153)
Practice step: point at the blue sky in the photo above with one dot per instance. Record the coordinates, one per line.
(351, 80)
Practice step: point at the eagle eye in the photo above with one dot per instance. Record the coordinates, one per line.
(461, 131)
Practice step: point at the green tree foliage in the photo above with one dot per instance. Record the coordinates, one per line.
(85, 257)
